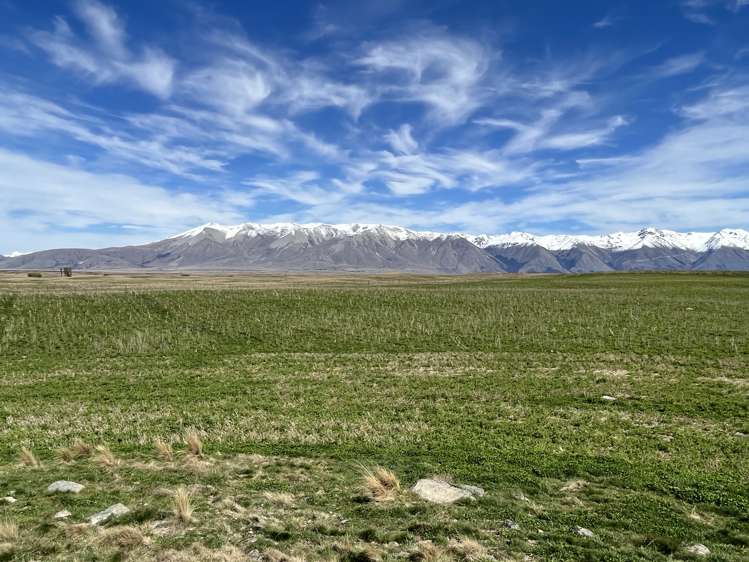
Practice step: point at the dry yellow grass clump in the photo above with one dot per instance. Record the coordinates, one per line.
(182, 505)
(380, 484)
(275, 555)
(124, 537)
(468, 550)
(28, 458)
(427, 551)
(163, 449)
(8, 531)
(106, 458)
(79, 449)
(194, 443)
(281, 498)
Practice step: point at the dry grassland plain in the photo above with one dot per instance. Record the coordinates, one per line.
(245, 417)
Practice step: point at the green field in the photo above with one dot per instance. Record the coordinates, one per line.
(296, 385)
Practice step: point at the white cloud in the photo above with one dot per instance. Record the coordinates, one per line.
(301, 187)
(683, 64)
(444, 73)
(581, 139)
(604, 22)
(720, 102)
(104, 25)
(229, 85)
(109, 60)
(45, 202)
(402, 140)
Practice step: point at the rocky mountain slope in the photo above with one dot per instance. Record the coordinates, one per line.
(355, 247)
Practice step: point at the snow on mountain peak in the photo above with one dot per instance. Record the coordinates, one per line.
(319, 230)
(728, 237)
(649, 237)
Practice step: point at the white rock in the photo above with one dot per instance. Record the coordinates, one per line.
(583, 532)
(115, 510)
(9, 499)
(439, 491)
(64, 514)
(65, 486)
(698, 549)
(608, 398)
(510, 524)
(473, 490)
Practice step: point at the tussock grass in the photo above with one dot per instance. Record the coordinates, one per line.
(163, 449)
(468, 550)
(275, 555)
(281, 498)
(200, 553)
(77, 530)
(28, 458)
(427, 551)
(194, 443)
(182, 505)
(106, 458)
(125, 537)
(380, 484)
(8, 531)
(78, 450)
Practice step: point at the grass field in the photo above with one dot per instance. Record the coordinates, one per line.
(296, 385)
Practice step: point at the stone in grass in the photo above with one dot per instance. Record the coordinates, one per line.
(9, 499)
(439, 491)
(510, 524)
(473, 490)
(112, 511)
(698, 550)
(64, 514)
(65, 486)
(608, 398)
(583, 532)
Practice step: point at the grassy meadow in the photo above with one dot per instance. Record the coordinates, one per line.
(237, 416)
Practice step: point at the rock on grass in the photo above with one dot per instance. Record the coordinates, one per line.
(439, 491)
(698, 549)
(112, 511)
(65, 486)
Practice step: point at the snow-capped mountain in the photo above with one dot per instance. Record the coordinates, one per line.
(619, 241)
(376, 247)
(319, 231)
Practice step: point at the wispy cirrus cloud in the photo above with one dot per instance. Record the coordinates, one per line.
(682, 64)
(445, 74)
(108, 59)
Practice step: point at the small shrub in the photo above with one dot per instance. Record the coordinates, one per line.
(35, 274)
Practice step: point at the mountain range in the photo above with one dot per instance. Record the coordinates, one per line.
(377, 248)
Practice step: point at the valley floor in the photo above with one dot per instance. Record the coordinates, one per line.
(616, 403)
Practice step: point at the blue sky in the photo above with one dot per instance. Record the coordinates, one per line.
(124, 122)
